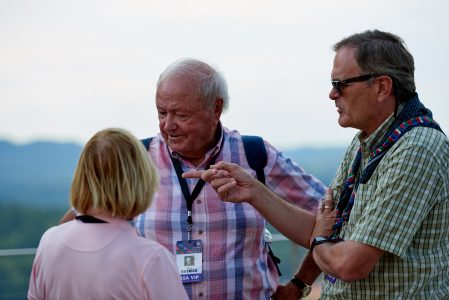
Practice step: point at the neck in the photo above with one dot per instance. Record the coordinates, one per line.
(383, 110)
(198, 159)
(374, 125)
(99, 213)
(195, 162)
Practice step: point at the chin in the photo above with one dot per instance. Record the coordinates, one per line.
(343, 123)
(176, 147)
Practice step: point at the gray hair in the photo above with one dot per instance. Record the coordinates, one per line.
(211, 83)
(379, 52)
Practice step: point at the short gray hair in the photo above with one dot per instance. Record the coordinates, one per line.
(384, 53)
(211, 83)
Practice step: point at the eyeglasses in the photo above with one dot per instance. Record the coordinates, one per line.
(339, 84)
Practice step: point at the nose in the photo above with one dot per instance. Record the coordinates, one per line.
(334, 94)
(169, 123)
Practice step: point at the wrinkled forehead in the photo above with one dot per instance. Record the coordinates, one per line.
(181, 94)
(179, 85)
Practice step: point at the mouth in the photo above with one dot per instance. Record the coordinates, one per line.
(174, 138)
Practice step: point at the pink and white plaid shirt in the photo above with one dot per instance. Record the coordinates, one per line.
(236, 264)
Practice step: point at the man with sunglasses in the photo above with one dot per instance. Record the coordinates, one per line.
(391, 191)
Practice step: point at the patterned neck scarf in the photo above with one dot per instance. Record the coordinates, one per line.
(413, 114)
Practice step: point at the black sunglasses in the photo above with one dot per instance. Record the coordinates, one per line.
(339, 84)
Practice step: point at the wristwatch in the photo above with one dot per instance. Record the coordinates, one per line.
(304, 287)
(319, 240)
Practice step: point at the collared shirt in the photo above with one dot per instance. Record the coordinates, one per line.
(404, 210)
(77, 260)
(235, 261)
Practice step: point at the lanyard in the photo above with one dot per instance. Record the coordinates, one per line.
(185, 189)
(89, 219)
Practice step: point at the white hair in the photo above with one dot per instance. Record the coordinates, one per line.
(211, 83)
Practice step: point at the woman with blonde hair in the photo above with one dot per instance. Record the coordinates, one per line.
(99, 255)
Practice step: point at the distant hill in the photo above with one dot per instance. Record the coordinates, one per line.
(40, 173)
(320, 162)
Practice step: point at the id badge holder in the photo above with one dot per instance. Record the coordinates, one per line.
(189, 259)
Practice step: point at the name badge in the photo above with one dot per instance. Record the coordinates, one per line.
(189, 259)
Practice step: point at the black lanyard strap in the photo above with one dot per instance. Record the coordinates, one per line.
(185, 188)
(89, 219)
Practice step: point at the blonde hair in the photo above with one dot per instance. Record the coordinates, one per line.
(114, 175)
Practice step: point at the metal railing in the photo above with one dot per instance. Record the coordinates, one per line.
(14, 252)
(277, 237)
(291, 256)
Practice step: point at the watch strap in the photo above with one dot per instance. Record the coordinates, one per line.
(299, 283)
(302, 286)
(321, 240)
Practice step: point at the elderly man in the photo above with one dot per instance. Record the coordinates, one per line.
(231, 260)
(390, 240)
(226, 241)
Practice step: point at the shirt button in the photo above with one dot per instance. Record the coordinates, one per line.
(198, 201)
(201, 294)
(200, 231)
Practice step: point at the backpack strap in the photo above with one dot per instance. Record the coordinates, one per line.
(146, 142)
(256, 154)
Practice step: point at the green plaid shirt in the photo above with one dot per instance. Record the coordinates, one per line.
(404, 210)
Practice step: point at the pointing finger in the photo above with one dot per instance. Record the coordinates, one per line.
(192, 174)
(206, 175)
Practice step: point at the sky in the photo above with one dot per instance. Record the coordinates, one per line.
(71, 68)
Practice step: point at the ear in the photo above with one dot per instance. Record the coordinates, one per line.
(218, 109)
(384, 87)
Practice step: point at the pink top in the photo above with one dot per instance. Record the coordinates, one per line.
(79, 260)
